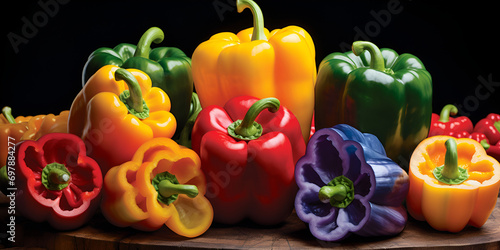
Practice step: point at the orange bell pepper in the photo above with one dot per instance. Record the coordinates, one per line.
(162, 184)
(116, 112)
(453, 183)
(257, 63)
(28, 128)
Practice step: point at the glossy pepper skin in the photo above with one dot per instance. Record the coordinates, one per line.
(490, 126)
(168, 67)
(162, 184)
(257, 63)
(28, 128)
(376, 91)
(444, 125)
(56, 181)
(248, 151)
(453, 183)
(116, 112)
(347, 185)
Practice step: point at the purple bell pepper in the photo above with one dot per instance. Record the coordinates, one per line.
(348, 185)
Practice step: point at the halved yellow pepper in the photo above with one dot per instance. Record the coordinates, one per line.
(257, 63)
(453, 183)
(162, 184)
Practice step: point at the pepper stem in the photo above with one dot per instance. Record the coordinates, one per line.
(169, 188)
(55, 176)
(153, 34)
(444, 116)
(258, 18)
(132, 98)
(339, 192)
(248, 128)
(497, 125)
(7, 112)
(450, 172)
(377, 60)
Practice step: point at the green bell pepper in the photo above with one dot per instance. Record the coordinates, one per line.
(378, 92)
(168, 67)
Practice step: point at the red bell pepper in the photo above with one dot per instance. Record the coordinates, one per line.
(490, 126)
(56, 181)
(443, 124)
(494, 150)
(248, 156)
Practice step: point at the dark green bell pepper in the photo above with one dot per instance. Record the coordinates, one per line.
(168, 67)
(376, 91)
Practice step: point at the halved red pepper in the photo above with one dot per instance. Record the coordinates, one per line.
(443, 124)
(56, 181)
(248, 155)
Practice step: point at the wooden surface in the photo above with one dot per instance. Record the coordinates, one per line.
(292, 234)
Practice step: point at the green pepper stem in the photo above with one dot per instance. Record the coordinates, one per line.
(258, 18)
(7, 112)
(184, 137)
(153, 34)
(450, 173)
(485, 144)
(444, 116)
(497, 125)
(377, 60)
(336, 193)
(55, 176)
(58, 176)
(166, 188)
(248, 128)
(450, 169)
(135, 99)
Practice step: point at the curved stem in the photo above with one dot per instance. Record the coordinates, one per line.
(135, 99)
(450, 169)
(166, 188)
(377, 60)
(153, 34)
(444, 116)
(450, 172)
(258, 18)
(7, 112)
(248, 129)
(339, 192)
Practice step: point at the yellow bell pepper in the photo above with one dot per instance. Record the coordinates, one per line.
(116, 112)
(257, 63)
(162, 184)
(453, 183)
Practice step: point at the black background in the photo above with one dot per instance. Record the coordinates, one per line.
(457, 42)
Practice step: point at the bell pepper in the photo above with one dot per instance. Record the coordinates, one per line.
(444, 125)
(453, 183)
(56, 181)
(493, 150)
(248, 151)
(347, 185)
(116, 112)
(490, 126)
(376, 91)
(162, 184)
(257, 63)
(168, 67)
(185, 135)
(29, 128)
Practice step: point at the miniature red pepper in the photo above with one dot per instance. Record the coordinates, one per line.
(490, 126)
(443, 124)
(248, 155)
(56, 181)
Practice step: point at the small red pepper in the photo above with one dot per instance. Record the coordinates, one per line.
(490, 126)
(248, 155)
(443, 124)
(56, 181)
(494, 150)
